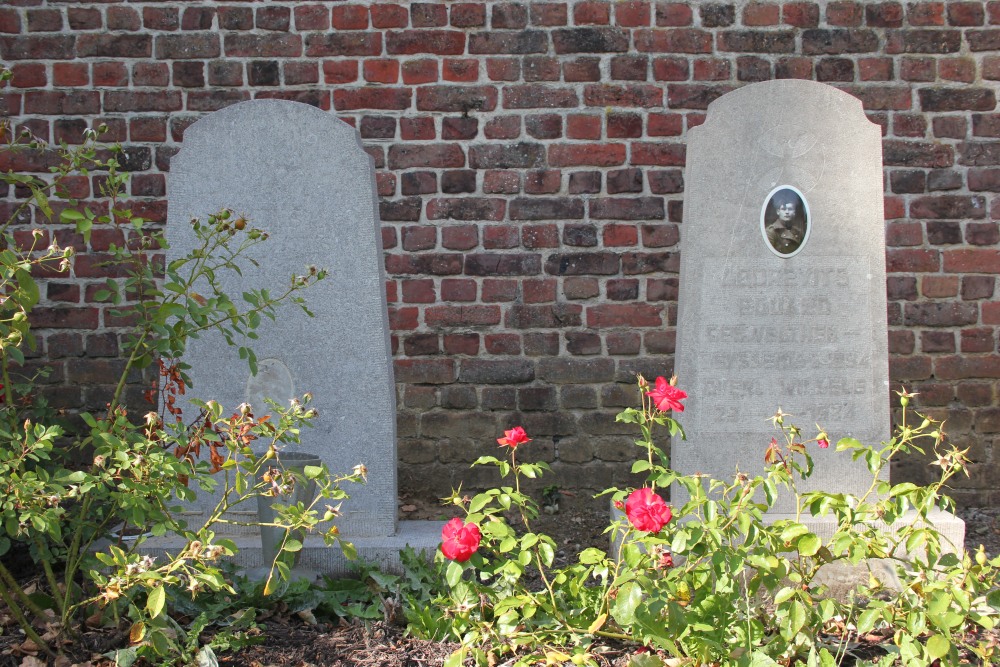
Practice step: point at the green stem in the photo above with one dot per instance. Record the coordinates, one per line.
(23, 621)
(8, 582)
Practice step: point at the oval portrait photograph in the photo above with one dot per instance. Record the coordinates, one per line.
(784, 220)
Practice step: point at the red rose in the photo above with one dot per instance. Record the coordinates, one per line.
(459, 540)
(514, 437)
(823, 443)
(666, 397)
(647, 511)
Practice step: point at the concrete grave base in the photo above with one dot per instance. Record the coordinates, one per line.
(317, 558)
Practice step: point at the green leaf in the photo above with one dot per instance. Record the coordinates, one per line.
(455, 659)
(350, 553)
(453, 574)
(809, 544)
(627, 601)
(848, 443)
(312, 472)
(292, 545)
(938, 646)
(592, 556)
(156, 600)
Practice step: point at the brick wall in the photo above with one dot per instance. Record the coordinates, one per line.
(530, 163)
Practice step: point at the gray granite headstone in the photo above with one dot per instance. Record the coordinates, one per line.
(782, 300)
(302, 176)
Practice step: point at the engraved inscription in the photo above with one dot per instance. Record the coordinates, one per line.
(787, 349)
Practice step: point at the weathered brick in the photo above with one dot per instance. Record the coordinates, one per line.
(940, 314)
(757, 41)
(951, 99)
(537, 208)
(694, 96)
(488, 371)
(680, 40)
(440, 42)
(466, 208)
(497, 264)
(917, 154)
(948, 206)
(345, 99)
(632, 208)
(625, 316)
(590, 40)
(598, 155)
(549, 316)
(341, 44)
(514, 42)
(536, 96)
(838, 41)
(980, 153)
(577, 264)
(925, 41)
(624, 95)
(456, 98)
(658, 154)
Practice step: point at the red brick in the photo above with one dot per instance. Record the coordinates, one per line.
(420, 71)
(800, 14)
(960, 368)
(440, 42)
(846, 14)
(428, 15)
(541, 290)
(761, 13)
(965, 14)
(468, 15)
(925, 14)
(598, 155)
(503, 127)
(384, 15)
(670, 69)
(503, 69)
(28, 75)
(462, 316)
(458, 289)
(972, 261)
(542, 182)
(582, 126)
(350, 17)
(340, 71)
(372, 98)
(624, 316)
(312, 17)
(382, 70)
(632, 14)
(620, 235)
(884, 15)
(70, 74)
(455, 69)
(460, 237)
(918, 69)
(679, 40)
(548, 13)
(583, 69)
(673, 14)
(594, 13)
(957, 69)
(875, 69)
(501, 182)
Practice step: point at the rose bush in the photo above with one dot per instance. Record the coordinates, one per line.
(717, 581)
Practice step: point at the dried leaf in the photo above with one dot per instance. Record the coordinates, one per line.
(29, 646)
(409, 508)
(32, 661)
